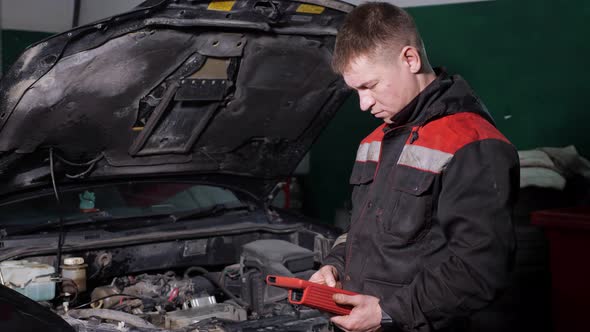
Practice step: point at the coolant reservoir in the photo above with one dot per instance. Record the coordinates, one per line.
(29, 278)
(75, 269)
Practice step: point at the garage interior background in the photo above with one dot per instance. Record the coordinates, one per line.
(524, 58)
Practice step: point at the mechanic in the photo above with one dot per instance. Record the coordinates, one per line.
(431, 238)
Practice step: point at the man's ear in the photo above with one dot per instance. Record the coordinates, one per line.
(410, 57)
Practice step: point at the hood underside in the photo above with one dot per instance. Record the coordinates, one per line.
(175, 87)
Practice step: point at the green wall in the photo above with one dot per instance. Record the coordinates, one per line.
(527, 61)
(14, 43)
(525, 58)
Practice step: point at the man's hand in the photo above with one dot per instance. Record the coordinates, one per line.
(364, 317)
(326, 275)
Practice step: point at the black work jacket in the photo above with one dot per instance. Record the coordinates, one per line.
(431, 232)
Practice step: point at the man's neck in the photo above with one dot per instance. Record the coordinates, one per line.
(425, 79)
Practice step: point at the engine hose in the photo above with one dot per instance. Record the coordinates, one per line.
(111, 315)
(206, 274)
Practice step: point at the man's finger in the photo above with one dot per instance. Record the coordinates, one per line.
(352, 300)
(339, 320)
(329, 277)
(317, 278)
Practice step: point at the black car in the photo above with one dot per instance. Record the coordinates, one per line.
(138, 159)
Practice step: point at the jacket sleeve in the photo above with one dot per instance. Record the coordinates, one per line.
(337, 254)
(477, 193)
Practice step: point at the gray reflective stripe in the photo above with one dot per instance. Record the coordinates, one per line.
(424, 158)
(339, 240)
(361, 153)
(369, 151)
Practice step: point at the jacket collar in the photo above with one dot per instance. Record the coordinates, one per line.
(418, 108)
(445, 95)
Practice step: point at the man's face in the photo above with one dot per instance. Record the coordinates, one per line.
(385, 86)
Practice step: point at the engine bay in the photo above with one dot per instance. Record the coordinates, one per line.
(96, 291)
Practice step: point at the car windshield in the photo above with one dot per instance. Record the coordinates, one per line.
(132, 199)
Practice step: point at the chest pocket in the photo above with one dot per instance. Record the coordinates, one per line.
(406, 210)
(361, 179)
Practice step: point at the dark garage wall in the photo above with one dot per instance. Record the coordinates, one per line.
(526, 59)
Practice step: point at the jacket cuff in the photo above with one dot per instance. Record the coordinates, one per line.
(335, 262)
(392, 304)
(388, 323)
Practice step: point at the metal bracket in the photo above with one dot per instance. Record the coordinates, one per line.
(202, 90)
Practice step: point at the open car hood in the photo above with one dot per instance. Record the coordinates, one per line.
(231, 91)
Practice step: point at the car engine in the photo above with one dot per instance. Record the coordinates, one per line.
(230, 298)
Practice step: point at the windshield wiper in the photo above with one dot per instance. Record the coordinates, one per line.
(93, 218)
(100, 217)
(208, 211)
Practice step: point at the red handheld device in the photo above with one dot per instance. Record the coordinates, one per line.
(311, 294)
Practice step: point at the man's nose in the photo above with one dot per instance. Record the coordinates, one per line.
(366, 100)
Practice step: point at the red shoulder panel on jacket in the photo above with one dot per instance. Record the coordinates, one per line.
(376, 135)
(452, 132)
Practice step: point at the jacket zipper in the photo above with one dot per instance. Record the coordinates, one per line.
(349, 244)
